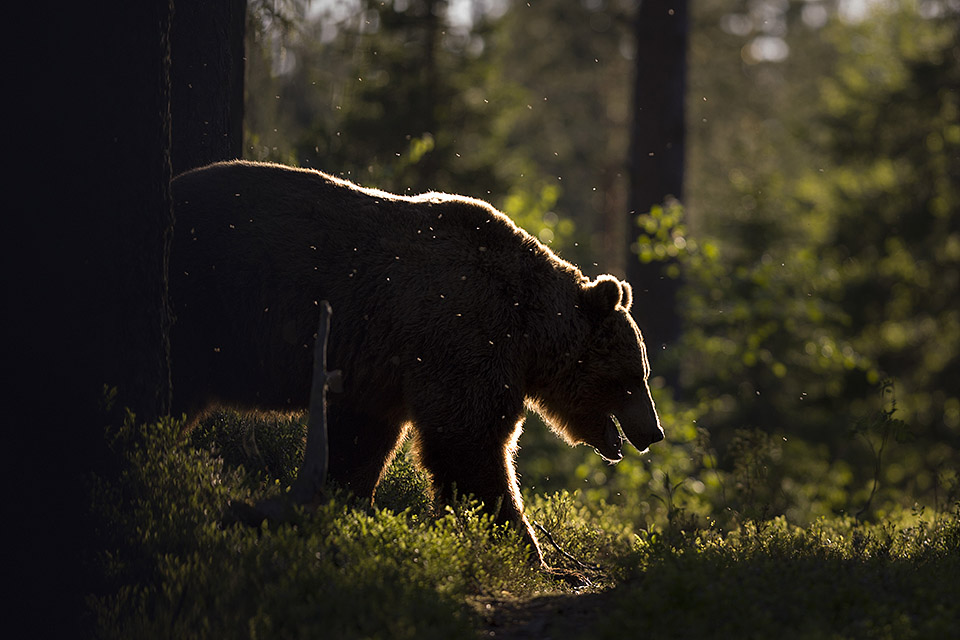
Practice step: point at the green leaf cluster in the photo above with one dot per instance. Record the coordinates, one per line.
(397, 96)
(828, 264)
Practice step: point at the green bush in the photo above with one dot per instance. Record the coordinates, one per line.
(835, 579)
(172, 566)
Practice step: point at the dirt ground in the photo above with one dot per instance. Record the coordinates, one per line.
(544, 617)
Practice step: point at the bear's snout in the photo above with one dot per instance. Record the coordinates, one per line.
(639, 420)
(612, 448)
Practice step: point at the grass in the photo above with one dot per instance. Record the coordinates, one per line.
(170, 567)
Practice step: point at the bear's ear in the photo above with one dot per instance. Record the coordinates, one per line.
(603, 295)
(626, 300)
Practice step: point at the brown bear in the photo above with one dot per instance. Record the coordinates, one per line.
(447, 321)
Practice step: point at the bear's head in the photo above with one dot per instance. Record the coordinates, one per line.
(605, 386)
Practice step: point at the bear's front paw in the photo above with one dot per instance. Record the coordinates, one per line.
(574, 578)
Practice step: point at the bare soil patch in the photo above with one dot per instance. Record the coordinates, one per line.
(543, 617)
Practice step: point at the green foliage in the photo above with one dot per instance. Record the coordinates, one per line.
(574, 61)
(170, 566)
(836, 579)
(162, 502)
(585, 538)
(531, 207)
(876, 430)
(818, 251)
(405, 487)
(665, 237)
(396, 96)
(268, 446)
(831, 272)
(889, 125)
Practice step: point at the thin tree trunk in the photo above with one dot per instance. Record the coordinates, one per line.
(657, 155)
(432, 26)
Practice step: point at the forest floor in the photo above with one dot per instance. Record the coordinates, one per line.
(562, 615)
(174, 570)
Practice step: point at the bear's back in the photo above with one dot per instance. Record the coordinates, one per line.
(258, 246)
(282, 218)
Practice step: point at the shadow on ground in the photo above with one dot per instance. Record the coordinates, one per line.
(544, 617)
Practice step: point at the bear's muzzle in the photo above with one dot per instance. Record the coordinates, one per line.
(638, 420)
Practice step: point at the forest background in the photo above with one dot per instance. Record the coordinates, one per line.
(815, 245)
(807, 266)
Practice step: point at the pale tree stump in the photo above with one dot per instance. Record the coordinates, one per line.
(312, 476)
(313, 472)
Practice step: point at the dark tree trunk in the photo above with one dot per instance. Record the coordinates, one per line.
(657, 155)
(84, 274)
(207, 82)
(430, 95)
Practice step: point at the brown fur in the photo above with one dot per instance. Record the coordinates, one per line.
(447, 318)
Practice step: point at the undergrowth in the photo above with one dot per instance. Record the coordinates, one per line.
(834, 579)
(170, 566)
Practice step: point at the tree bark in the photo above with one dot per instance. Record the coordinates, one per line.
(85, 272)
(207, 88)
(657, 155)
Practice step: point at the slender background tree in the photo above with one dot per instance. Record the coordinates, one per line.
(657, 152)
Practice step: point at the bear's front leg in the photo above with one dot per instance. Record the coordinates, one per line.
(484, 468)
(479, 465)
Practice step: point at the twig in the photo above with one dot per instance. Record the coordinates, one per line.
(582, 565)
